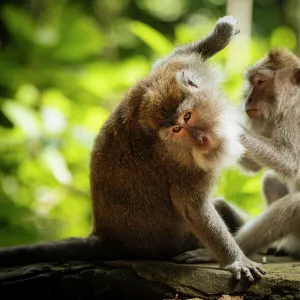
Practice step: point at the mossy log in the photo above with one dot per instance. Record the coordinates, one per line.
(146, 280)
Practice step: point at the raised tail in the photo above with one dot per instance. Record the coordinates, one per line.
(82, 249)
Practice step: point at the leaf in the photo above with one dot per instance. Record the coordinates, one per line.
(81, 40)
(154, 39)
(24, 117)
(18, 22)
(284, 37)
(57, 165)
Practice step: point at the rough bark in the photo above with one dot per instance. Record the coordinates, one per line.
(146, 280)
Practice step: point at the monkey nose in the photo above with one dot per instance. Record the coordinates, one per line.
(196, 133)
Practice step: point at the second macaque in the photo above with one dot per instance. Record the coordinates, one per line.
(272, 141)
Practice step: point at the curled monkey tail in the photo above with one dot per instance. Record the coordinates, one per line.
(82, 249)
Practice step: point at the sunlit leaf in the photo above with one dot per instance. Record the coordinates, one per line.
(56, 162)
(18, 22)
(83, 39)
(27, 94)
(168, 10)
(154, 39)
(22, 116)
(103, 79)
(95, 117)
(284, 37)
(53, 97)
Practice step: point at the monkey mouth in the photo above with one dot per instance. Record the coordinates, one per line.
(253, 113)
(203, 143)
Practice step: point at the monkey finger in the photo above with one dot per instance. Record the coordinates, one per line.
(260, 270)
(256, 272)
(235, 269)
(256, 267)
(198, 259)
(247, 274)
(182, 258)
(195, 256)
(237, 274)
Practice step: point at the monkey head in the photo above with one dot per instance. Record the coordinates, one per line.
(269, 82)
(192, 119)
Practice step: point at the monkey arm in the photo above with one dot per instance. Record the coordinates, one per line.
(223, 32)
(280, 219)
(208, 226)
(233, 218)
(249, 164)
(266, 153)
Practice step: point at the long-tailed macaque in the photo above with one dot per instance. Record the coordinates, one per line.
(272, 140)
(154, 166)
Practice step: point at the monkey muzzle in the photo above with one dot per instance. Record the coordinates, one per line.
(198, 136)
(195, 133)
(253, 113)
(251, 106)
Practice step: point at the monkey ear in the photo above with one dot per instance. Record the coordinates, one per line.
(188, 79)
(296, 73)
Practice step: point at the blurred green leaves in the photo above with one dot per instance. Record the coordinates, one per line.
(64, 65)
(81, 40)
(284, 36)
(154, 39)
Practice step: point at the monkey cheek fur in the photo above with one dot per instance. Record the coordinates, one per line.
(229, 131)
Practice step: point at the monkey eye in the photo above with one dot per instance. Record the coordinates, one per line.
(260, 82)
(191, 83)
(187, 116)
(176, 128)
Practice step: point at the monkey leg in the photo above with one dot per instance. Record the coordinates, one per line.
(211, 230)
(280, 219)
(249, 164)
(272, 188)
(194, 257)
(233, 218)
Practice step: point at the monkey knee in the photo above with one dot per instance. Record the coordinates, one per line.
(230, 215)
(288, 211)
(295, 203)
(272, 188)
(270, 180)
(222, 206)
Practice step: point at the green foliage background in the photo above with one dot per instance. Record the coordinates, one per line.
(64, 65)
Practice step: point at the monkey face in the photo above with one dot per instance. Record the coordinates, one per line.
(202, 128)
(260, 100)
(271, 85)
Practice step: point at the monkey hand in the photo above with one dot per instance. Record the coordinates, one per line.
(194, 257)
(226, 28)
(247, 267)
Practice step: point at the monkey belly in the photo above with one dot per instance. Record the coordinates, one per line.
(156, 242)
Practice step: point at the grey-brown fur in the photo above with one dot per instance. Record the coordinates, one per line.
(151, 187)
(272, 141)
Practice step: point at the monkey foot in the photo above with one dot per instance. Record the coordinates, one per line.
(244, 266)
(194, 257)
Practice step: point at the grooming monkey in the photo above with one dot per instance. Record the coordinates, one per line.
(154, 166)
(272, 140)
